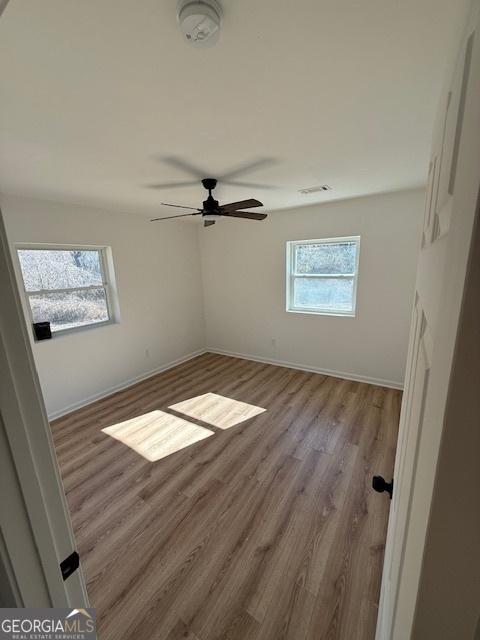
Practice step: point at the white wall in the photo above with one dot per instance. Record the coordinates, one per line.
(243, 266)
(157, 270)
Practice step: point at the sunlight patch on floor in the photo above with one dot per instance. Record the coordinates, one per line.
(156, 435)
(219, 411)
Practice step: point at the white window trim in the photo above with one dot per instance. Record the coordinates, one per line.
(290, 262)
(108, 284)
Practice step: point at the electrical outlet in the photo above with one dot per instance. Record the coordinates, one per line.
(147, 353)
(274, 342)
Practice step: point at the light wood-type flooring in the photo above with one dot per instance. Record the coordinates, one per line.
(230, 499)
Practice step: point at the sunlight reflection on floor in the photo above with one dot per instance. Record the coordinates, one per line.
(219, 411)
(157, 434)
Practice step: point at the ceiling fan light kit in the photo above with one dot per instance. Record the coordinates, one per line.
(200, 22)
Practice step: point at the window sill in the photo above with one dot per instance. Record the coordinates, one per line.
(337, 314)
(87, 327)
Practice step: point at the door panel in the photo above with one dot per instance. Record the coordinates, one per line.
(408, 460)
(413, 408)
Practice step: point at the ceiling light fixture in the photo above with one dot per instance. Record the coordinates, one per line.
(200, 21)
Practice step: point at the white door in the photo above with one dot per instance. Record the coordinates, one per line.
(450, 210)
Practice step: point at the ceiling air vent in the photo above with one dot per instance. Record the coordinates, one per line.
(322, 187)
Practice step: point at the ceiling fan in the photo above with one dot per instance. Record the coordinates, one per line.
(211, 210)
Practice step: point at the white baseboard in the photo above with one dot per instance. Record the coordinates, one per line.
(292, 365)
(245, 356)
(123, 385)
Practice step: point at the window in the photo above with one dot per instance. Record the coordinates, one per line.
(322, 275)
(67, 287)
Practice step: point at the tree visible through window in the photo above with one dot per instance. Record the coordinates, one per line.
(322, 275)
(67, 287)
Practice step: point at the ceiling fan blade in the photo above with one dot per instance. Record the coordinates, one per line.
(181, 215)
(250, 215)
(172, 185)
(242, 204)
(180, 206)
(208, 223)
(249, 185)
(185, 166)
(245, 168)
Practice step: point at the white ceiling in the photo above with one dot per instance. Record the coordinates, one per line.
(96, 93)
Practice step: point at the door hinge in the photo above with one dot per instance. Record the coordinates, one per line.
(69, 565)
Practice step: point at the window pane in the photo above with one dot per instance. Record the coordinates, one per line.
(329, 257)
(70, 309)
(59, 269)
(328, 294)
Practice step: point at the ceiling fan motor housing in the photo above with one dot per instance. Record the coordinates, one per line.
(200, 21)
(210, 204)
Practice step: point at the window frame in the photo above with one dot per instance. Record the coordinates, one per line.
(107, 283)
(291, 275)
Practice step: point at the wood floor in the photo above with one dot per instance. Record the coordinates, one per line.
(231, 499)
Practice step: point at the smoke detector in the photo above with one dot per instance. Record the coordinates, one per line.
(200, 21)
